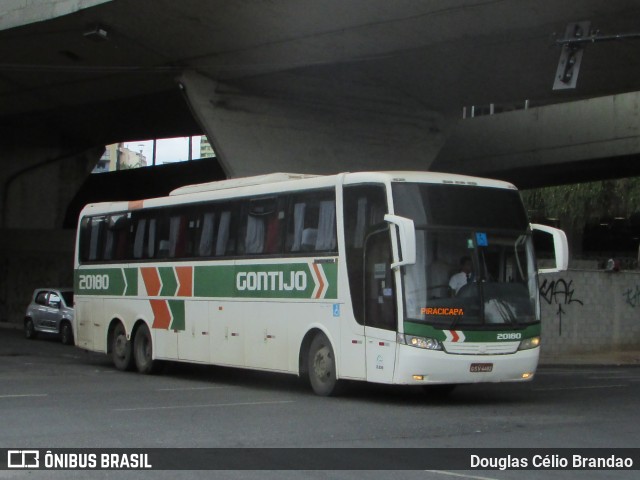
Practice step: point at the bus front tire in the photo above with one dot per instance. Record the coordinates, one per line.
(121, 349)
(143, 351)
(322, 367)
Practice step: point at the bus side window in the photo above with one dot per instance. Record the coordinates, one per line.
(312, 223)
(261, 226)
(223, 233)
(254, 235)
(326, 239)
(207, 235)
(177, 236)
(144, 240)
(96, 237)
(117, 237)
(138, 240)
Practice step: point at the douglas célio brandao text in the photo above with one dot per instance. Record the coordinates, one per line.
(574, 461)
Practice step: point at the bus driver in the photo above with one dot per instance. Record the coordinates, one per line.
(464, 276)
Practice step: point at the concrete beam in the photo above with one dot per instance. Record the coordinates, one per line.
(531, 146)
(15, 13)
(321, 132)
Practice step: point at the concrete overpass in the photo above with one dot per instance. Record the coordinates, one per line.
(318, 86)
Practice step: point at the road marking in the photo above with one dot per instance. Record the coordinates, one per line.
(460, 475)
(209, 405)
(578, 388)
(181, 389)
(613, 377)
(25, 395)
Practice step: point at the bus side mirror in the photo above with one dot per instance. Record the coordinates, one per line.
(407, 234)
(560, 247)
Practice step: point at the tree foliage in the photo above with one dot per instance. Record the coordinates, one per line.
(590, 207)
(585, 203)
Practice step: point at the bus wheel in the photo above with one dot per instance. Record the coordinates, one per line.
(322, 366)
(121, 349)
(66, 334)
(143, 351)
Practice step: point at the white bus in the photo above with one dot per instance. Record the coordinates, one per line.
(341, 277)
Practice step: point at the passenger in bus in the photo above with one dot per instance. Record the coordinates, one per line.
(464, 276)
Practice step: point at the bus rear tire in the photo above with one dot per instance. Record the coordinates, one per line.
(121, 349)
(322, 367)
(143, 351)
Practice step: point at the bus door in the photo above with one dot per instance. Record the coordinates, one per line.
(380, 315)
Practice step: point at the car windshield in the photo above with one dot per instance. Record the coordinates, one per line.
(475, 266)
(68, 298)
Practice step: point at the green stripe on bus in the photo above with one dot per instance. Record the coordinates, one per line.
(131, 275)
(423, 330)
(177, 313)
(169, 282)
(262, 281)
(288, 280)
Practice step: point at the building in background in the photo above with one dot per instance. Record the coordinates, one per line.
(119, 157)
(206, 150)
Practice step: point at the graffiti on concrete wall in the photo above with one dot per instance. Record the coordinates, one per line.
(559, 292)
(632, 296)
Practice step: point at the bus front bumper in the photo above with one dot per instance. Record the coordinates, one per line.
(417, 366)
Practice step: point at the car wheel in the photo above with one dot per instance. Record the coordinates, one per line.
(29, 329)
(66, 333)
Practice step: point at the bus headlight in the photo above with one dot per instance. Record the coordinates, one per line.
(529, 343)
(419, 342)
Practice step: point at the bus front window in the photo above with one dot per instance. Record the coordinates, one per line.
(472, 270)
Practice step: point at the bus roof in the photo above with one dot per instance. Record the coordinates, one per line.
(240, 182)
(397, 176)
(263, 183)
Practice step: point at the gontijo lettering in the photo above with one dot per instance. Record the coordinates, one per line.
(454, 312)
(271, 281)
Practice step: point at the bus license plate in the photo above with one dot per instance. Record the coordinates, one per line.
(481, 367)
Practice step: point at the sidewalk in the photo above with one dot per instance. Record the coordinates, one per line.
(630, 357)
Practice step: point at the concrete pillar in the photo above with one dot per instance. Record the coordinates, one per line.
(318, 133)
(37, 184)
(36, 187)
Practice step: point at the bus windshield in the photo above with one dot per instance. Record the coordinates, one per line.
(474, 265)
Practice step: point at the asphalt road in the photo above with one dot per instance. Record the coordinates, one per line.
(54, 396)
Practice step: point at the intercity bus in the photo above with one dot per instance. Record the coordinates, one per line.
(341, 277)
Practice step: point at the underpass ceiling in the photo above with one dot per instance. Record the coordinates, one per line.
(444, 54)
